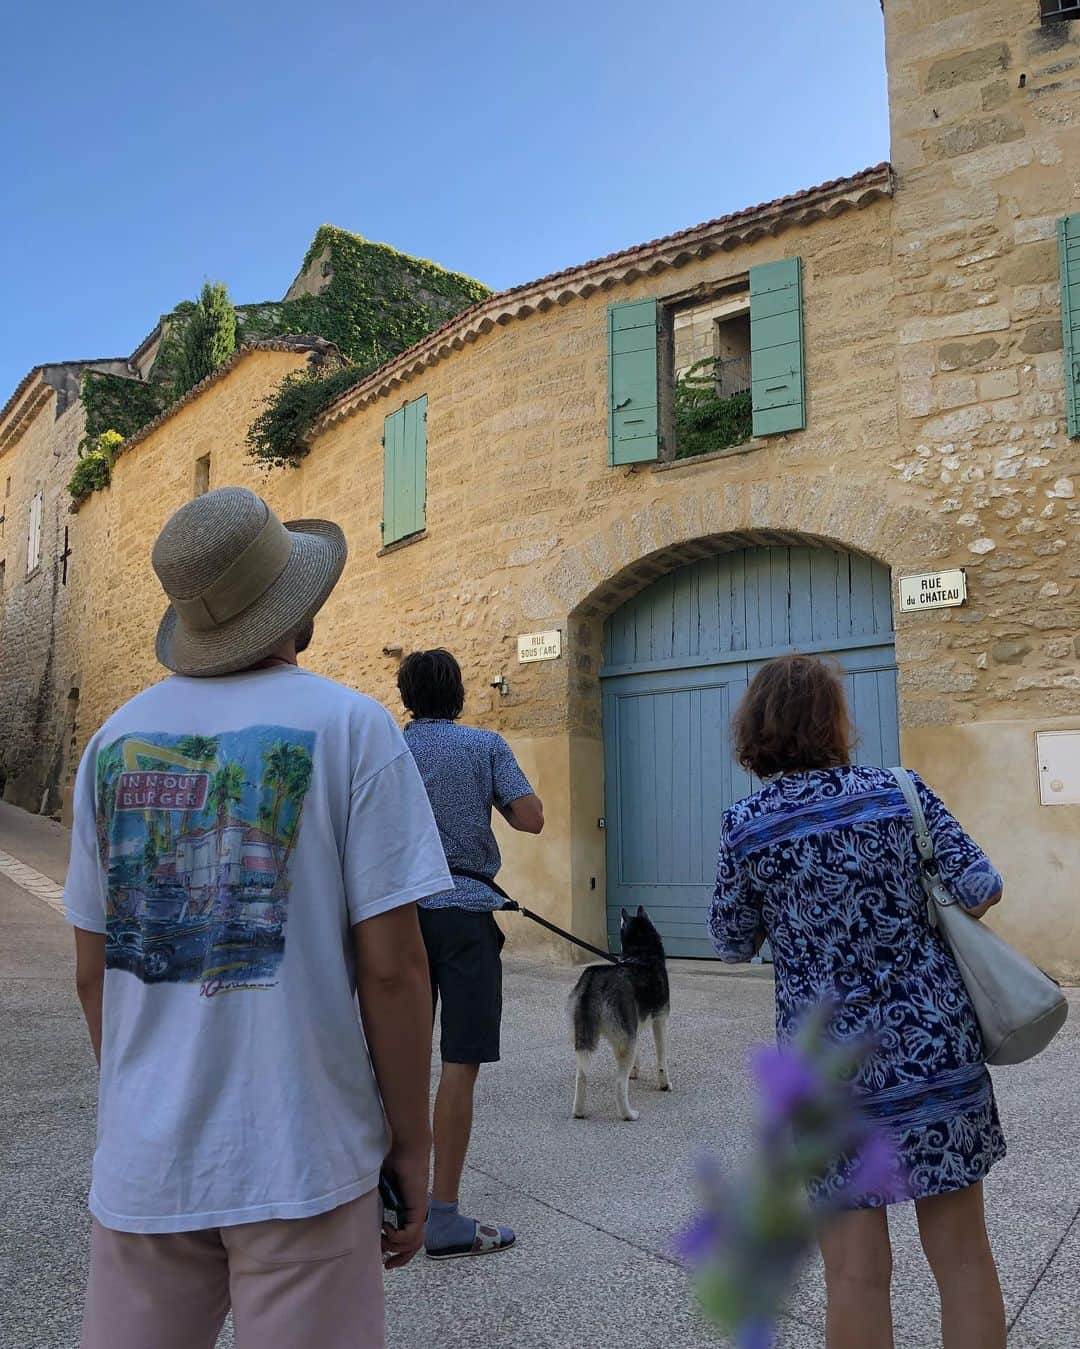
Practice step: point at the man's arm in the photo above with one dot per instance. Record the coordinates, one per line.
(90, 981)
(394, 991)
(525, 814)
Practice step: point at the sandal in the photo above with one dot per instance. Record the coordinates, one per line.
(487, 1239)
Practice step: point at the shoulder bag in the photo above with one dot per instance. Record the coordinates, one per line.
(1019, 1008)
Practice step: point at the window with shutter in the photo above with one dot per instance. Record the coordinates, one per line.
(1069, 253)
(405, 472)
(33, 546)
(776, 347)
(633, 402)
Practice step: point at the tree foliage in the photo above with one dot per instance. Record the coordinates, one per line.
(207, 338)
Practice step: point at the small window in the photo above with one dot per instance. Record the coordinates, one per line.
(1060, 11)
(33, 547)
(202, 475)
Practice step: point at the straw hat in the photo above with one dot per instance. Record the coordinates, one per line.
(239, 581)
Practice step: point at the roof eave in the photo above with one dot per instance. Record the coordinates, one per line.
(674, 250)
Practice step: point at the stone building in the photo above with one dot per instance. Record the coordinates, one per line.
(377, 295)
(522, 471)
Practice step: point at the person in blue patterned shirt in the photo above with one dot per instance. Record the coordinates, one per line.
(821, 860)
(468, 772)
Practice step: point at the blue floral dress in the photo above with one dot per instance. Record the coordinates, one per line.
(824, 862)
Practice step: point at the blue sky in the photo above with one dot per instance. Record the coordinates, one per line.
(148, 148)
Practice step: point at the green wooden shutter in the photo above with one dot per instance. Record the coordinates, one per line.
(405, 471)
(1069, 250)
(633, 411)
(776, 347)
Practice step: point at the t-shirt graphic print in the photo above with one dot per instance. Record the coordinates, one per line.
(196, 833)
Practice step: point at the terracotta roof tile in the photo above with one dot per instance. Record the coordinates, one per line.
(670, 250)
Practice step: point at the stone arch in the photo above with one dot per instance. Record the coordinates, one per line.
(589, 580)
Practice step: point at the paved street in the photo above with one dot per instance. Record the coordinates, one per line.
(594, 1201)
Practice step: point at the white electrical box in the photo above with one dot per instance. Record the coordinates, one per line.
(1059, 767)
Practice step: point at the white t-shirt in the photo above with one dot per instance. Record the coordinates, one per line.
(228, 833)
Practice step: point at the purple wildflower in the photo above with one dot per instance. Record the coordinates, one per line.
(877, 1170)
(756, 1335)
(698, 1242)
(787, 1082)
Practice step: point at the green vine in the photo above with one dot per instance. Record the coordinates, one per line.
(277, 436)
(94, 469)
(376, 303)
(704, 421)
(118, 403)
(373, 303)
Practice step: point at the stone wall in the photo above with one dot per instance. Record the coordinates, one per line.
(120, 601)
(37, 682)
(985, 108)
(697, 336)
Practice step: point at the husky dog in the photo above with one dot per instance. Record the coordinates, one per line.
(615, 1001)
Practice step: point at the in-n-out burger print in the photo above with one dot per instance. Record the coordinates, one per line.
(162, 791)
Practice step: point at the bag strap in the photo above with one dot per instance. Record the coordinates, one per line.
(923, 840)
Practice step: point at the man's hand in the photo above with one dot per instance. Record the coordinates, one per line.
(410, 1173)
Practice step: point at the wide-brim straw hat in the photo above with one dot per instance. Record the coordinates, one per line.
(239, 581)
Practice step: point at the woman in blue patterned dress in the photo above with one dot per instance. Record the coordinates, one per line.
(822, 862)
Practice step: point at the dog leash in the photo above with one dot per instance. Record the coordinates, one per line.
(512, 906)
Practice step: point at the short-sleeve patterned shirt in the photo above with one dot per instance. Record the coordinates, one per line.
(824, 863)
(467, 772)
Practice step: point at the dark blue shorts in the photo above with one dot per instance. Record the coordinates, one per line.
(463, 950)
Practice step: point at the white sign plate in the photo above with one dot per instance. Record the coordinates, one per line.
(540, 646)
(933, 590)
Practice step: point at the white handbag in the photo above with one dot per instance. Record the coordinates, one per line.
(1019, 1008)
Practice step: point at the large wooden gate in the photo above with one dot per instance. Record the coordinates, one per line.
(677, 658)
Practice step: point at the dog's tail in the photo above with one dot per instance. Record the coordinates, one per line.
(585, 1011)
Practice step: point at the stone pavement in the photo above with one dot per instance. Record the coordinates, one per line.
(594, 1201)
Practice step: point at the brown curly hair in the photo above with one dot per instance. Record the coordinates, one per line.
(794, 715)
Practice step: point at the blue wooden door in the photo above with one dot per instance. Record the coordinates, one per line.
(677, 658)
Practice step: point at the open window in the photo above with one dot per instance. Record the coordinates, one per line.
(709, 369)
(712, 407)
(1059, 11)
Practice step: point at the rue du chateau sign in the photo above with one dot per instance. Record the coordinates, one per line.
(933, 590)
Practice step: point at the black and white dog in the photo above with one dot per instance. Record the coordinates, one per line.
(615, 1002)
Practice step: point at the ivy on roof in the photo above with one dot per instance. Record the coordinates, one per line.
(374, 303)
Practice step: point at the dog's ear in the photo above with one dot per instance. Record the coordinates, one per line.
(641, 911)
(625, 915)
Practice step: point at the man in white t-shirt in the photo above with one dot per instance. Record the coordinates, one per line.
(249, 844)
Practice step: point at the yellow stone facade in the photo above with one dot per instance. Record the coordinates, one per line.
(936, 436)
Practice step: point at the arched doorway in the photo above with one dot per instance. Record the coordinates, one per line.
(676, 659)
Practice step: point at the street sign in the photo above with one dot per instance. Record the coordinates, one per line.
(933, 590)
(540, 646)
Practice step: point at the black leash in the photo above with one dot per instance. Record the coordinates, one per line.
(512, 906)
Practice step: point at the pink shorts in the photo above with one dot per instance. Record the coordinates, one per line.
(291, 1284)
